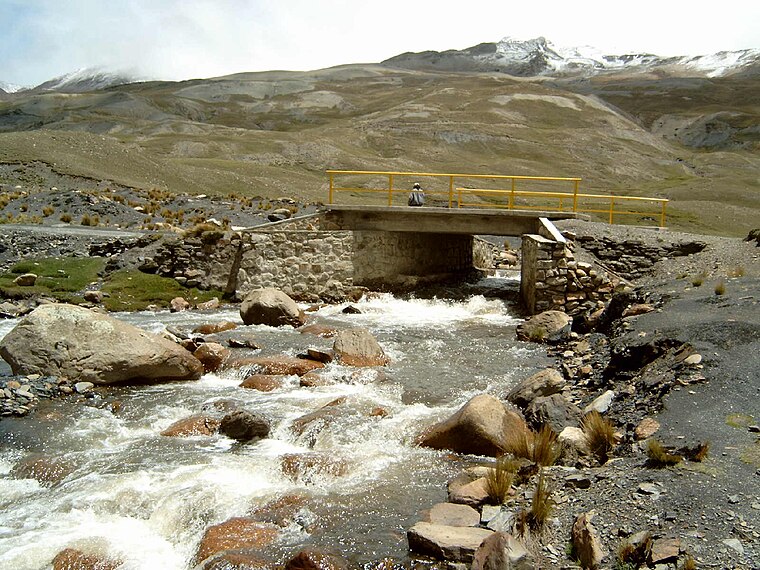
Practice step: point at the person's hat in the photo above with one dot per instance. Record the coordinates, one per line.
(416, 185)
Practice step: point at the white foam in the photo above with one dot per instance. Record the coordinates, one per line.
(384, 311)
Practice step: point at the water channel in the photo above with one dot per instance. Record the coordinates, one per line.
(146, 499)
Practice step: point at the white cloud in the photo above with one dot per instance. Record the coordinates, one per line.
(177, 39)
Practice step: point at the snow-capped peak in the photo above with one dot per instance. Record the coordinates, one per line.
(10, 87)
(540, 57)
(87, 79)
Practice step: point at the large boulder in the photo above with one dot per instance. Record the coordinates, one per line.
(271, 307)
(85, 346)
(357, 347)
(548, 326)
(455, 543)
(479, 427)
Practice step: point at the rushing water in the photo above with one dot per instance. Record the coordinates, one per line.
(146, 499)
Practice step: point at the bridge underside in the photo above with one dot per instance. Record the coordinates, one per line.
(425, 220)
(399, 247)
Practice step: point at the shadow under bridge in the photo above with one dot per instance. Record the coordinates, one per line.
(400, 247)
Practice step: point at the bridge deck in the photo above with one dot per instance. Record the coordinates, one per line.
(437, 220)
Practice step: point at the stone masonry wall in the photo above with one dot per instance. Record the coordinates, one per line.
(552, 279)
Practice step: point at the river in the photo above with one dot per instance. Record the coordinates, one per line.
(146, 499)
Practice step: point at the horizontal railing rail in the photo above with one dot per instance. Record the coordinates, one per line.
(509, 198)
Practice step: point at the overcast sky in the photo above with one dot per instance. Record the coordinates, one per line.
(181, 39)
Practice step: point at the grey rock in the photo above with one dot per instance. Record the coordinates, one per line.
(554, 411)
(83, 387)
(601, 404)
(502, 551)
(270, 307)
(243, 425)
(734, 544)
(544, 383)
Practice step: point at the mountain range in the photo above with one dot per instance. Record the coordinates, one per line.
(538, 57)
(686, 128)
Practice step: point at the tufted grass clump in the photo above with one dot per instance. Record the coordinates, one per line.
(631, 555)
(499, 479)
(720, 288)
(600, 435)
(699, 279)
(660, 457)
(534, 520)
(546, 447)
(542, 447)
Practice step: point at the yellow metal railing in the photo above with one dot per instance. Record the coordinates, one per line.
(510, 198)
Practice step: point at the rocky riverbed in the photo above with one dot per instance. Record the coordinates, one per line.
(674, 357)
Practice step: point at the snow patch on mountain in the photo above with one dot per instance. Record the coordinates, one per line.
(563, 59)
(87, 79)
(10, 87)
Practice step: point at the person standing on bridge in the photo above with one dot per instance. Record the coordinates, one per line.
(417, 196)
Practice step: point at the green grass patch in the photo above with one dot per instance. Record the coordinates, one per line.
(132, 290)
(58, 277)
(737, 420)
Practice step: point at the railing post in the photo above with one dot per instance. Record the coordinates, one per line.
(612, 209)
(390, 189)
(512, 196)
(575, 197)
(560, 204)
(459, 197)
(662, 216)
(330, 196)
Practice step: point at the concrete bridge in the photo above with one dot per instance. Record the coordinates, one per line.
(401, 246)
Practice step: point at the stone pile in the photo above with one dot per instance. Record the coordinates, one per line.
(19, 395)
